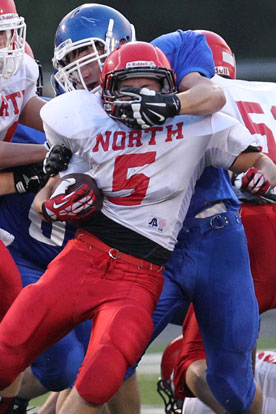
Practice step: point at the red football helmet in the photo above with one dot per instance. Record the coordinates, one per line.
(169, 358)
(224, 58)
(165, 383)
(7, 6)
(12, 39)
(134, 60)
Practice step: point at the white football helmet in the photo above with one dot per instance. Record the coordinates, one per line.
(12, 39)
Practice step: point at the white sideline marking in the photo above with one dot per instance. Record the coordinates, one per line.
(150, 364)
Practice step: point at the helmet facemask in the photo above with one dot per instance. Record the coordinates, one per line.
(12, 54)
(111, 93)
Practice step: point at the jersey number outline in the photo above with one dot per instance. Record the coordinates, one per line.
(57, 234)
(138, 182)
(247, 108)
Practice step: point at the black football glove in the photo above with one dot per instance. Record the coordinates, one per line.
(29, 178)
(146, 107)
(56, 160)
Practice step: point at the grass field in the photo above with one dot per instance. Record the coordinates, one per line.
(148, 381)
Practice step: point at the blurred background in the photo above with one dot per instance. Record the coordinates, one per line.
(248, 27)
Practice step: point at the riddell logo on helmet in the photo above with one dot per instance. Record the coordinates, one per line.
(140, 63)
(222, 71)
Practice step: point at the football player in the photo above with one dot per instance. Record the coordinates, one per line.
(251, 103)
(34, 247)
(101, 274)
(183, 49)
(19, 102)
(265, 374)
(194, 66)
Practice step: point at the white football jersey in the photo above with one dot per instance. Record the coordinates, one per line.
(254, 105)
(265, 376)
(147, 176)
(15, 93)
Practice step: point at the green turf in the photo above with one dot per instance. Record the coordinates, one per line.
(147, 383)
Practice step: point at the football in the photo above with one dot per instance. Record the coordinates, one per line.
(85, 179)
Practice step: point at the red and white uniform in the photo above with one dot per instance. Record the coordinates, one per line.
(253, 104)
(265, 375)
(145, 175)
(16, 91)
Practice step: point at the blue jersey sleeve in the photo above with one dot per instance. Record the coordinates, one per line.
(187, 52)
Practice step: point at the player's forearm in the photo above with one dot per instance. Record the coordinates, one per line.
(199, 95)
(6, 183)
(268, 168)
(30, 115)
(13, 154)
(201, 99)
(257, 160)
(44, 194)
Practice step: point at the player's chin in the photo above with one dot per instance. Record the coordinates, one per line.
(92, 85)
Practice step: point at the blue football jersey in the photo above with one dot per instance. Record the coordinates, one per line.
(35, 240)
(187, 52)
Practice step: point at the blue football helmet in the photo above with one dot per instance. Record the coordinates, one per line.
(95, 29)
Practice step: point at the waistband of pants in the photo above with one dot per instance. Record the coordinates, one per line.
(215, 222)
(115, 254)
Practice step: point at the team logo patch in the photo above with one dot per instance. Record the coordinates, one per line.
(156, 223)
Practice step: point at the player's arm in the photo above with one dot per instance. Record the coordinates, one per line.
(45, 194)
(6, 183)
(260, 172)
(30, 115)
(23, 179)
(146, 108)
(13, 154)
(199, 95)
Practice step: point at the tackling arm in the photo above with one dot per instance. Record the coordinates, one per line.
(144, 108)
(199, 95)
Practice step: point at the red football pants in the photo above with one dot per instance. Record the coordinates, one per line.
(10, 280)
(81, 283)
(259, 222)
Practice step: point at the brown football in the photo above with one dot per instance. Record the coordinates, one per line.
(86, 179)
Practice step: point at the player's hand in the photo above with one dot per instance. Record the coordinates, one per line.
(65, 205)
(255, 182)
(29, 178)
(146, 107)
(56, 160)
